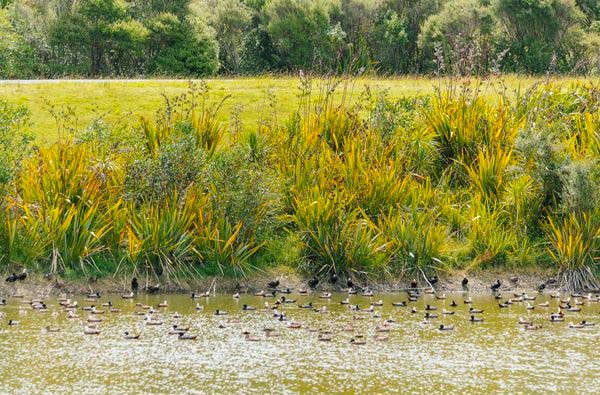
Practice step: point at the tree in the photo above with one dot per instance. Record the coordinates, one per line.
(541, 34)
(177, 47)
(300, 32)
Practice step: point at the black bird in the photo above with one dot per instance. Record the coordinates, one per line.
(541, 287)
(134, 285)
(274, 284)
(313, 282)
(433, 280)
(464, 282)
(333, 279)
(22, 276)
(495, 286)
(349, 283)
(413, 284)
(12, 278)
(3, 302)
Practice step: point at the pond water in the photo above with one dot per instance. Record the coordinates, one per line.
(494, 356)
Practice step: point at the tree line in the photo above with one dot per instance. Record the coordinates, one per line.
(53, 38)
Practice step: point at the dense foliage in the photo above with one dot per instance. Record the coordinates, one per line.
(205, 37)
(381, 188)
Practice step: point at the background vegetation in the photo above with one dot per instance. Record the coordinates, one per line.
(53, 38)
(374, 187)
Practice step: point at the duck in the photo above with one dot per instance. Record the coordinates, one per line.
(453, 304)
(88, 330)
(345, 301)
(176, 329)
(93, 319)
(468, 301)
(3, 302)
(52, 329)
(220, 312)
(306, 306)
(429, 307)
(382, 337)
(294, 325)
(545, 304)
(186, 336)
(367, 292)
(324, 337)
(236, 295)
(523, 321)
(302, 291)
(414, 310)
(530, 307)
(72, 315)
(199, 307)
(290, 301)
(378, 303)
(131, 336)
(585, 323)
(249, 337)
(246, 307)
(130, 295)
(464, 282)
(475, 311)
(325, 295)
(12, 323)
(533, 327)
(414, 284)
(201, 295)
(428, 316)
(399, 304)
(446, 312)
(576, 326)
(163, 304)
(358, 341)
(475, 319)
(443, 327)
(440, 297)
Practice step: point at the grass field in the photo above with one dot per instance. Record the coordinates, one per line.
(250, 98)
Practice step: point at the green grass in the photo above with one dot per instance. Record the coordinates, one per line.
(125, 101)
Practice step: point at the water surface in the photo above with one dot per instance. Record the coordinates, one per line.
(493, 356)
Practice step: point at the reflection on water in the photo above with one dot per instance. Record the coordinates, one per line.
(495, 356)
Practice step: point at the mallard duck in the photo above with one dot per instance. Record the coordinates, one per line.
(245, 307)
(13, 322)
(177, 315)
(290, 301)
(93, 319)
(199, 307)
(325, 295)
(131, 336)
(533, 327)
(96, 311)
(475, 319)
(443, 327)
(72, 315)
(367, 292)
(163, 304)
(302, 291)
(294, 325)
(554, 318)
(356, 341)
(576, 326)
(3, 302)
(249, 337)
(429, 307)
(453, 304)
(446, 312)
(88, 330)
(545, 304)
(399, 304)
(345, 301)
(52, 329)
(468, 301)
(382, 337)
(428, 315)
(530, 307)
(523, 321)
(324, 337)
(236, 295)
(585, 323)
(378, 303)
(220, 312)
(413, 310)
(186, 336)
(306, 306)
(201, 295)
(440, 297)
(475, 311)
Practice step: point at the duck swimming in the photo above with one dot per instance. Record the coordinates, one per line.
(475, 319)
(443, 327)
(131, 336)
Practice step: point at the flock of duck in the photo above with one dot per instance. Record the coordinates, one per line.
(279, 303)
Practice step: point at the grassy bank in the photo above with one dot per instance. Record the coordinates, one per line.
(473, 176)
(247, 100)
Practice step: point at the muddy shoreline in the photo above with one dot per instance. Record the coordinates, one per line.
(478, 282)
